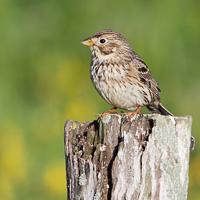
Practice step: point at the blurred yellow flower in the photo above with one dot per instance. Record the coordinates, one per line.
(13, 165)
(54, 179)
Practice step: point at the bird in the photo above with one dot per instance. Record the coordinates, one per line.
(121, 77)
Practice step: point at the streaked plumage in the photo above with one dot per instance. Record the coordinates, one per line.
(120, 76)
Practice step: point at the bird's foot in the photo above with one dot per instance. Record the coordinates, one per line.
(111, 111)
(132, 114)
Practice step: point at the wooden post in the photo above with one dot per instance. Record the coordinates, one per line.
(146, 158)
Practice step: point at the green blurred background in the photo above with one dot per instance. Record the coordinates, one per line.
(44, 79)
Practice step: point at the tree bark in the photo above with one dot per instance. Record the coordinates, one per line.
(146, 158)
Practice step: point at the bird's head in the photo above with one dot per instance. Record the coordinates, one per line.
(107, 44)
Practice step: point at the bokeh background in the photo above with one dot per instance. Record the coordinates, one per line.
(44, 79)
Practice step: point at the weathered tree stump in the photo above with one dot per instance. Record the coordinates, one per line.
(144, 159)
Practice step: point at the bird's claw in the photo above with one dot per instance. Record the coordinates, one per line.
(111, 111)
(130, 115)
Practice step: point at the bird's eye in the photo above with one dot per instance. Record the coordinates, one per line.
(102, 40)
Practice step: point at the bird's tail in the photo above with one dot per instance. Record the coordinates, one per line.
(158, 108)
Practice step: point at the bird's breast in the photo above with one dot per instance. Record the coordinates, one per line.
(118, 89)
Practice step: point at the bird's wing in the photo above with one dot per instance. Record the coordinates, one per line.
(146, 77)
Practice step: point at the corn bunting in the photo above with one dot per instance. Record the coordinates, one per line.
(120, 76)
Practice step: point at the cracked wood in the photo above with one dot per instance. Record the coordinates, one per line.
(147, 158)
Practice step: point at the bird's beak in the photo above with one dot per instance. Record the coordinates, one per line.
(88, 42)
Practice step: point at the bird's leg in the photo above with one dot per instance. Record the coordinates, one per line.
(111, 111)
(137, 111)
